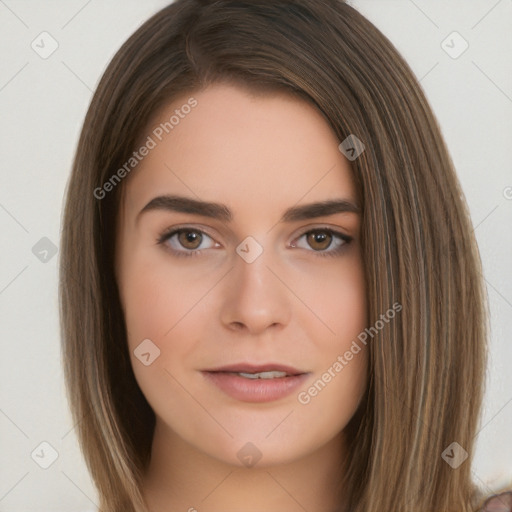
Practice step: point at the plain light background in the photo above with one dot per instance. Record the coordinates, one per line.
(43, 103)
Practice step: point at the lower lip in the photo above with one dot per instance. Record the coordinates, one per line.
(255, 390)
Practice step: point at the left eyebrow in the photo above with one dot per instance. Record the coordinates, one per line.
(222, 212)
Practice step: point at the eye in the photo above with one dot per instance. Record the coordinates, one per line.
(187, 241)
(187, 238)
(321, 239)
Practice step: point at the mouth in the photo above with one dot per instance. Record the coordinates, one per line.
(263, 371)
(256, 383)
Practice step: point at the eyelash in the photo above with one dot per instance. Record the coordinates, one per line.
(166, 235)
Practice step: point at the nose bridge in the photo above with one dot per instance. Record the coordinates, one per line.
(255, 298)
(252, 264)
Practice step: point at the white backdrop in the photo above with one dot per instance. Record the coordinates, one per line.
(43, 100)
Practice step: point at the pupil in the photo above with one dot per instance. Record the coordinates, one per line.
(190, 237)
(319, 237)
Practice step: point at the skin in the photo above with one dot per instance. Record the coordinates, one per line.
(259, 155)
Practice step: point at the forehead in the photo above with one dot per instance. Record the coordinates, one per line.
(254, 151)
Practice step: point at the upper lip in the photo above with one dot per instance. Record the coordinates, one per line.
(251, 368)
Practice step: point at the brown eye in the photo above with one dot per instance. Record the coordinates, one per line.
(185, 241)
(319, 240)
(324, 242)
(189, 238)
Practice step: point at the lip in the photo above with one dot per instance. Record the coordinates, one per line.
(255, 390)
(252, 368)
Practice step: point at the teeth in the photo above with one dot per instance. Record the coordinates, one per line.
(262, 375)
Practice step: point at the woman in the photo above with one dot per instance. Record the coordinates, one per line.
(216, 359)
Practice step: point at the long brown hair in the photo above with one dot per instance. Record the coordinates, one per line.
(427, 367)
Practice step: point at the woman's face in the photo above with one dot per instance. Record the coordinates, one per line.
(248, 284)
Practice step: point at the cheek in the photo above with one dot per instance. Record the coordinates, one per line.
(167, 304)
(157, 296)
(340, 303)
(149, 305)
(161, 303)
(335, 294)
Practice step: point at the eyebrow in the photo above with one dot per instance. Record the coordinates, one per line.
(221, 212)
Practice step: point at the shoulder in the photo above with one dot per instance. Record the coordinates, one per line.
(498, 502)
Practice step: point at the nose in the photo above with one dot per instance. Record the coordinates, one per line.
(255, 296)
